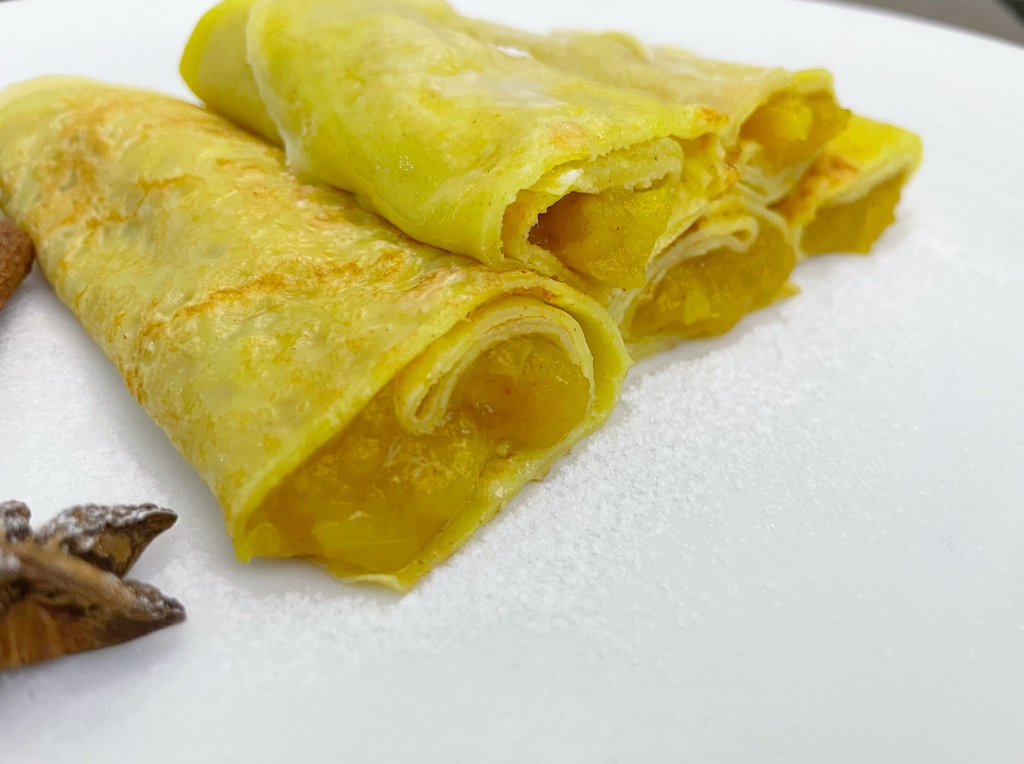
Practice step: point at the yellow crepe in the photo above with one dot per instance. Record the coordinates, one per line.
(735, 259)
(351, 396)
(459, 142)
(738, 256)
(849, 194)
(778, 120)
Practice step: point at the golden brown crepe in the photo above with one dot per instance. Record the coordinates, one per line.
(849, 195)
(459, 142)
(351, 396)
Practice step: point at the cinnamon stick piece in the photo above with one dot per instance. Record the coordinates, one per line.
(16, 254)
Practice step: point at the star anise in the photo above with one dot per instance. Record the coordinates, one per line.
(16, 253)
(62, 589)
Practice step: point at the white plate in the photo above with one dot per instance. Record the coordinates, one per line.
(800, 542)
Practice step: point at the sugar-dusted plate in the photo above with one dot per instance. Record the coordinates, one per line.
(799, 542)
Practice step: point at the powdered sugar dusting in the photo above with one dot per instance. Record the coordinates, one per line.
(827, 476)
(9, 564)
(80, 525)
(723, 457)
(149, 604)
(15, 521)
(813, 521)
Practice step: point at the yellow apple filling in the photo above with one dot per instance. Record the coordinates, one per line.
(706, 295)
(608, 236)
(853, 226)
(371, 499)
(793, 128)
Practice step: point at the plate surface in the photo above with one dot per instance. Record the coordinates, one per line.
(800, 542)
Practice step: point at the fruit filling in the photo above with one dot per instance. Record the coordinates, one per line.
(608, 236)
(372, 498)
(853, 226)
(793, 128)
(706, 295)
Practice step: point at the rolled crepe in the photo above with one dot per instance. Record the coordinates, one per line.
(738, 255)
(351, 396)
(849, 194)
(735, 259)
(459, 142)
(778, 120)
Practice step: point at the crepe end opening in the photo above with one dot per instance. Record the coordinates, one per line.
(706, 295)
(370, 501)
(607, 236)
(856, 225)
(603, 218)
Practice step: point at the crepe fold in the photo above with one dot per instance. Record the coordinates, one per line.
(848, 196)
(461, 142)
(835, 177)
(737, 256)
(735, 259)
(351, 396)
(777, 121)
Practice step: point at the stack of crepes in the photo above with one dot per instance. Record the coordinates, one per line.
(676, 190)
(368, 339)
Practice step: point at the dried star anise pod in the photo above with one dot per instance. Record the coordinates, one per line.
(16, 253)
(61, 588)
(111, 538)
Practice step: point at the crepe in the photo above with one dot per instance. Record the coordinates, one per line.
(351, 396)
(778, 120)
(739, 254)
(849, 195)
(460, 143)
(735, 259)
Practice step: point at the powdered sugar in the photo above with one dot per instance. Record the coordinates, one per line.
(80, 526)
(723, 458)
(14, 521)
(9, 564)
(838, 473)
(812, 522)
